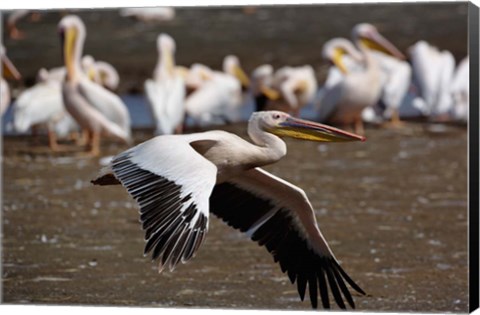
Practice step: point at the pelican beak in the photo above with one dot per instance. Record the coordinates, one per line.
(69, 41)
(241, 76)
(270, 93)
(308, 130)
(169, 62)
(92, 74)
(8, 69)
(338, 60)
(378, 42)
(182, 72)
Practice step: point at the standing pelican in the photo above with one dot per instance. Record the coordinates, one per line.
(166, 92)
(219, 98)
(359, 89)
(177, 180)
(433, 72)
(96, 110)
(262, 87)
(297, 87)
(9, 71)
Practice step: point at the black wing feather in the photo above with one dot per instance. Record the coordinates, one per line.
(173, 231)
(244, 210)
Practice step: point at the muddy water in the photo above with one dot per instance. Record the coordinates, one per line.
(394, 210)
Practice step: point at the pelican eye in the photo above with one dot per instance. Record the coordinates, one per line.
(276, 116)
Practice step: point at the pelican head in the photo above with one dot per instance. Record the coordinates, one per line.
(231, 65)
(8, 69)
(334, 50)
(165, 42)
(367, 35)
(262, 80)
(72, 34)
(283, 125)
(166, 49)
(88, 65)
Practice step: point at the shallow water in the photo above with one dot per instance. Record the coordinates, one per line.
(394, 210)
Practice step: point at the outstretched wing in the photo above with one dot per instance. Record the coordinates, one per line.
(278, 215)
(172, 183)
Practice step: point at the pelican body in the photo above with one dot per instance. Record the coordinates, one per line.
(218, 97)
(166, 92)
(177, 180)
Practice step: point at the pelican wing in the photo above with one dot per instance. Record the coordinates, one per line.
(108, 103)
(172, 183)
(278, 215)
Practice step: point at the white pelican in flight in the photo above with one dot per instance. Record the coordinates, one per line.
(359, 89)
(178, 180)
(97, 110)
(166, 92)
(9, 71)
(219, 98)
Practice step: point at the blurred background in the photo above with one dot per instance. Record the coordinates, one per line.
(279, 35)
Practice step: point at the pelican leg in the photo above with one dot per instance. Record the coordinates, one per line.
(94, 143)
(395, 121)
(53, 142)
(358, 126)
(80, 138)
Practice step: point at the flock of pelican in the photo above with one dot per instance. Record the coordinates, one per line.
(178, 179)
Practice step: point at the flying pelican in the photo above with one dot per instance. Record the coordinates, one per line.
(219, 98)
(297, 87)
(96, 110)
(9, 71)
(359, 89)
(166, 92)
(177, 180)
(262, 86)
